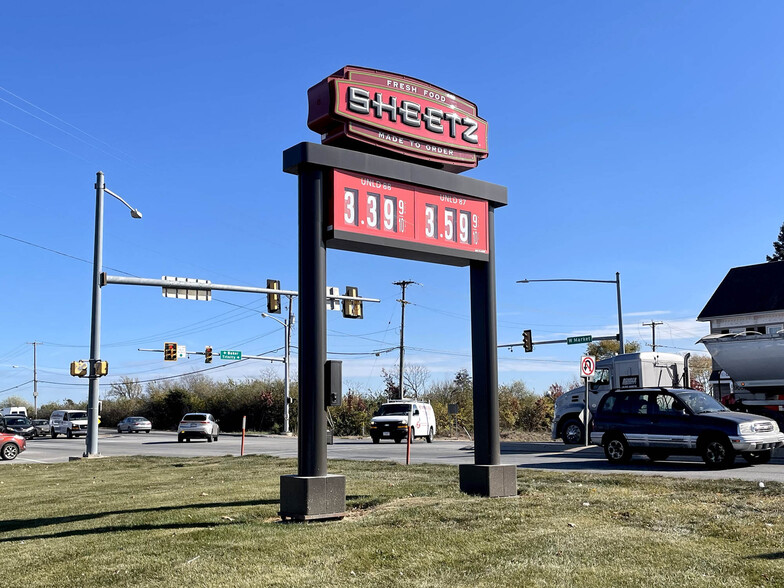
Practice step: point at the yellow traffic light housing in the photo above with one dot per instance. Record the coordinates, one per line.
(273, 299)
(101, 367)
(208, 354)
(169, 352)
(352, 308)
(528, 343)
(78, 368)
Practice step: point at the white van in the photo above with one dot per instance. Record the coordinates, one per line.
(70, 423)
(14, 411)
(391, 421)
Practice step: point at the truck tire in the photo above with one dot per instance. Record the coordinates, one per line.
(53, 433)
(375, 439)
(430, 435)
(69, 434)
(573, 432)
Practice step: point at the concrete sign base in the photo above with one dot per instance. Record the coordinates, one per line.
(305, 498)
(488, 480)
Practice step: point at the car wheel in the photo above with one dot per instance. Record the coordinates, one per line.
(119, 430)
(617, 450)
(216, 437)
(718, 453)
(429, 437)
(179, 438)
(9, 451)
(398, 439)
(147, 431)
(376, 440)
(209, 438)
(187, 439)
(657, 455)
(572, 432)
(754, 457)
(69, 434)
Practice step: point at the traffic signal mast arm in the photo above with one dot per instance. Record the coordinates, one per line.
(131, 281)
(264, 357)
(520, 344)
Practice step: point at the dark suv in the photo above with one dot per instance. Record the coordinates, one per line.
(660, 422)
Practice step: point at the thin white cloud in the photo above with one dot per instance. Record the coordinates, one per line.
(648, 313)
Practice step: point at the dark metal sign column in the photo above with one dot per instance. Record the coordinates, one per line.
(312, 493)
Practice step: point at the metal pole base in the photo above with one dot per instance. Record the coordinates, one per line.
(305, 498)
(488, 480)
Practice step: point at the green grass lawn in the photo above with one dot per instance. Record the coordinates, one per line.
(213, 522)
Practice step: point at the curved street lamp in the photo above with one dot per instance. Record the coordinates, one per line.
(616, 281)
(91, 449)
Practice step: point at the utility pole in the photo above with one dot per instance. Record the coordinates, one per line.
(652, 325)
(403, 284)
(35, 378)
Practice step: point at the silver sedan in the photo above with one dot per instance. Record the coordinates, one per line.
(134, 424)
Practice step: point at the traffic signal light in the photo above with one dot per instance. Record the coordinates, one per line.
(208, 354)
(101, 367)
(78, 368)
(273, 299)
(528, 342)
(169, 352)
(352, 308)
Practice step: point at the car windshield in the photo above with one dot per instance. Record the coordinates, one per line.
(390, 409)
(195, 417)
(16, 421)
(136, 419)
(700, 402)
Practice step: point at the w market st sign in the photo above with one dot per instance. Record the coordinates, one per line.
(385, 181)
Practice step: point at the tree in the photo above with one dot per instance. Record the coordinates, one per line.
(415, 378)
(127, 388)
(778, 247)
(16, 401)
(605, 349)
(700, 368)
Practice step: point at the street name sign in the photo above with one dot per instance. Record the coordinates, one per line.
(580, 339)
(231, 355)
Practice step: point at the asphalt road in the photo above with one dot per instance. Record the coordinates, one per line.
(542, 456)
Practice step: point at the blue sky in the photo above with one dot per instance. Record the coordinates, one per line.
(637, 137)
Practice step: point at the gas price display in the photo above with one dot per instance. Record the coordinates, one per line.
(383, 209)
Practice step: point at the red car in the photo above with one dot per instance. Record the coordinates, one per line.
(11, 445)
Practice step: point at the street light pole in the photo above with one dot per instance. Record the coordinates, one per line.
(91, 449)
(286, 362)
(616, 281)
